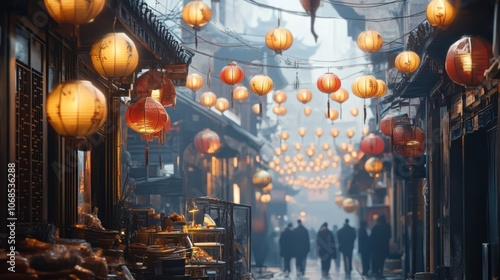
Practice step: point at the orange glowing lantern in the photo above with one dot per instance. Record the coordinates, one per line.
(261, 85)
(256, 109)
(154, 83)
(196, 14)
(146, 116)
(440, 13)
(114, 56)
(208, 99)
(302, 132)
(194, 82)
(334, 114)
(207, 141)
(328, 83)
(365, 86)
(304, 95)
(284, 135)
(318, 132)
(374, 165)
(222, 104)
(240, 93)
(307, 111)
(387, 124)
(340, 96)
(279, 96)
(232, 74)
(369, 41)
(354, 112)
(279, 39)
(467, 59)
(407, 62)
(350, 205)
(279, 110)
(74, 12)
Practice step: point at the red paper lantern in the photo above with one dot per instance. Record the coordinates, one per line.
(372, 144)
(467, 59)
(207, 141)
(146, 116)
(405, 133)
(232, 74)
(328, 83)
(411, 149)
(387, 124)
(155, 84)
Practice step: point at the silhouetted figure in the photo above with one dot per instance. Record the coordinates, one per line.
(364, 247)
(325, 244)
(286, 247)
(379, 239)
(337, 259)
(302, 247)
(347, 235)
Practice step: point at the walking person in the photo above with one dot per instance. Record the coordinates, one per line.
(335, 229)
(325, 244)
(347, 235)
(364, 247)
(302, 247)
(286, 247)
(379, 239)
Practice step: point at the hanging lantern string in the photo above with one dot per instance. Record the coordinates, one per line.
(260, 107)
(296, 83)
(146, 155)
(376, 112)
(340, 110)
(279, 17)
(364, 111)
(328, 106)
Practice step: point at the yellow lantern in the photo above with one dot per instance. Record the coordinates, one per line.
(194, 81)
(325, 147)
(354, 112)
(279, 110)
(307, 111)
(284, 147)
(298, 146)
(114, 56)
(279, 96)
(381, 89)
(261, 84)
(440, 13)
(266, 198)
(277, 152)
(333, 115)
(302, 132)
(407, 62)
(304, 95)
(196, 14)
(374, 165)
(365, 86)
(279, 39)
(256, 109)
(261, 179)
(343, 146)
(369, 41)
(73, 11)
(340, 96)
(365, 131)
(318, 132)
(284, 135)
(347, 158)
(310, 152)
(240, 93)
(349, 133)
(208, 99)
(334, 132)
(222, 104)
(350, 205)
(76, 108)
(339, 199)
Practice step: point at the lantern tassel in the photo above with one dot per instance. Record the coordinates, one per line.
(195, 39)
(232, 97)
(260, 107)
(296, 83)
(328, 106)
(364, 113)
(146, 155)
(159, 160)
(376, 113)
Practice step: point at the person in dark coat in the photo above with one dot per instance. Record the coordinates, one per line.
(379, 239)
(302, 247)
(335, 229)
(347, 235)
(286, 247)
(364, 247)
(325, 244)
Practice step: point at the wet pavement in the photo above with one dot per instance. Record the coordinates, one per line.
(313, 272)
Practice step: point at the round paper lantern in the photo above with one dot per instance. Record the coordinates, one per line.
(194, 81)
(279, 39)
(302, 132)
(372, 144)
(261, 179)
(207, 141)
(381, 89)
(73, 11)
(76, 108)
(339, 200)
(347, 158)
(374, 165)
(310, 152)
(222, 104)
(318, 132)
(325, 147)
(114, 56)
(208, 99)
(405, 133)
(350, 205)
(307, 111)
(265, 198)
(440, 13)
(369, 41)
(297, 146)
(232, 74)
(261, 84)
(304, 95)
(365, 86)
(279, 110)
(354, 112)
(196, 14)
(284, 135)
(256, 109)
(240, 93)
(407, 62)
(340, 96)
(146, 116)
(411, 149)
(349, 133)
(279, 96)
(277, 152)
(334, 132)
(387, 124)
(328, 83)
(334, 114)
(284, 147)
(365, 131)
(467, 59)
